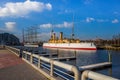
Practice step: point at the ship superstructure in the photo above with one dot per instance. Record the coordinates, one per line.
(66, 43)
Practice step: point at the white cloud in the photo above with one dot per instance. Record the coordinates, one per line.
(48, 6)
(115, 21)
(89, 19)
(10, 25)
(46, 25)
(21, 9)
(44, 36)
(62, 25)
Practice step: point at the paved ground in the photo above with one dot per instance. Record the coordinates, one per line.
(13, 68)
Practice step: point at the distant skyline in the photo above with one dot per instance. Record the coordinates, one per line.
(92, 18)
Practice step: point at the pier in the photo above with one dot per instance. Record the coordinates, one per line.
(42, 68)
(14, 68)
(65, 58)
(49, 54)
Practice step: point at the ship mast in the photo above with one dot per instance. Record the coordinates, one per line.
(73, 28)
(52, 32)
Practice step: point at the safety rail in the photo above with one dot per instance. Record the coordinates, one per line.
(55, 69)
(14, 50)
(95, 76)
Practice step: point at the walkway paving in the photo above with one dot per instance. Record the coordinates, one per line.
(14, 68)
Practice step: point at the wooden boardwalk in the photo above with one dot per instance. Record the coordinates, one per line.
(14, 68)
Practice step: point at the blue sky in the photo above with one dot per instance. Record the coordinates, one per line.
(92, 18)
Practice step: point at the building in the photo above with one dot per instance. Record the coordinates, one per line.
(8, 39)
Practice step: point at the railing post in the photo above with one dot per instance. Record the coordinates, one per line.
(20, 52)
(85, 75)
(31, 58)
(51, 67)
(25, 56)
(76, 73)
(39, 62)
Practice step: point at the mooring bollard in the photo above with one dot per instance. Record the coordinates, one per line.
(109, 57)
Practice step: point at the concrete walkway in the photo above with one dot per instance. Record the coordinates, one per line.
(14, 68)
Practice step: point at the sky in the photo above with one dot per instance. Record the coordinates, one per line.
(91, 18)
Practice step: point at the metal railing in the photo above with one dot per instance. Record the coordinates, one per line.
(14, 50)
(95, 76)
(50, 68)
(56, 70)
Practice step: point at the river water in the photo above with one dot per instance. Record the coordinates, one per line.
(86, 57)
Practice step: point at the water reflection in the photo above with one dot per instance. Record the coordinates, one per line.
(84, 57)
(87, 57)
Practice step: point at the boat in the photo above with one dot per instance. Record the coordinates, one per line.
(65, 43)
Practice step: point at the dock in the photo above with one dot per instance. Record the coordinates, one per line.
(35, 67)
(14, 68)
(65, 58)
(49, 54)
(96, 66)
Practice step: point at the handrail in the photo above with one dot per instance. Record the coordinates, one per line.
(95, 76)
(14, 50)
(52, 63)
(49, 64)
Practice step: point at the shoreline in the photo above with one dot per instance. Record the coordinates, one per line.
(108, 48)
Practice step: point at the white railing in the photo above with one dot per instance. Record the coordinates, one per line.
(14, 50)
(95, 76)
(53, 67)
(50, 68)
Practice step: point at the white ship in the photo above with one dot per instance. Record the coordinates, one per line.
(73, 44)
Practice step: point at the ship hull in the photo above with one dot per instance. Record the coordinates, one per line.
(72, 46)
